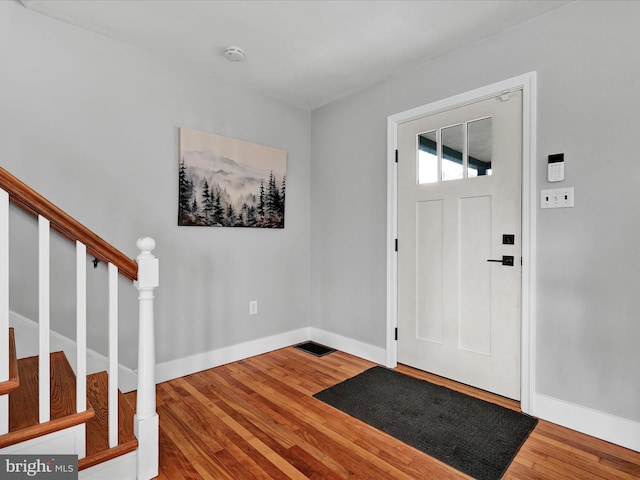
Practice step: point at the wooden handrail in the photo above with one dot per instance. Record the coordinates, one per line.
(35, 204)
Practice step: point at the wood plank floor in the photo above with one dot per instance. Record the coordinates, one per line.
(257, 419)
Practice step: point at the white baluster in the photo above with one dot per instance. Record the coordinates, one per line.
(44, 380)
(81, 339)
(4, 307)
(81, 327)
(113, 355)
(146, 418)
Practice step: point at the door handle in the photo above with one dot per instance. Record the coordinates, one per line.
(507, 260)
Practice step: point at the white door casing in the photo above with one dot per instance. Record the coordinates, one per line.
(458, 313)
(526, 83)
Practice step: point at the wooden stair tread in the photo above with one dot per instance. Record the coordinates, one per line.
(14, 379)
(97, 447)
(23, 401)
(24, 410)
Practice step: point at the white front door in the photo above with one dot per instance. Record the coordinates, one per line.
(459, 209)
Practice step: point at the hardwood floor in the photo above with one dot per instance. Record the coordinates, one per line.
(257, 419)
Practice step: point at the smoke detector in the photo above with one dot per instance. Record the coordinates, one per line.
(234, 54)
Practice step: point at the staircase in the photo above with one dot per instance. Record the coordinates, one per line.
(68, 411)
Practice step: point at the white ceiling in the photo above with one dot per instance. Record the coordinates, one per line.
(307, 53)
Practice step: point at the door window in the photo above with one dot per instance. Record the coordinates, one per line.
(479, 146)
(455, 152)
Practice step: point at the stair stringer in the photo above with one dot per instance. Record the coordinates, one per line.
(123, 468)
(68, 441)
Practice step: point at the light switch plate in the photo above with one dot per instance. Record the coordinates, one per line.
(556, 198)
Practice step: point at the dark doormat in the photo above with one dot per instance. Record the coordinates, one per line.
(473, 436)
(314, 349)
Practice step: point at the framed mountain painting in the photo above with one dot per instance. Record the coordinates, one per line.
(224, 182)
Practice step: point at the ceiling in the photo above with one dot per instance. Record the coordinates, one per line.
(306, 53)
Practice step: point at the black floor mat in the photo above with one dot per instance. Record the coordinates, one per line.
(476, 437)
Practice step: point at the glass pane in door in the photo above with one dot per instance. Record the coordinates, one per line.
(480, 138)
(452, 151)
(428, 157)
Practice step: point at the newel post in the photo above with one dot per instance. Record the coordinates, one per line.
(146, 418)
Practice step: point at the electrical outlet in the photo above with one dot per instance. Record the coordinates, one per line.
(556, 198)
(253, 307)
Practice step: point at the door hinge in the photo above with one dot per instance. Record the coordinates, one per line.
(396, 155)
(396, 333)
(396, 244)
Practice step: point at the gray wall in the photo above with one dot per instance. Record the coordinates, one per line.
(588, 97)
(92, 125)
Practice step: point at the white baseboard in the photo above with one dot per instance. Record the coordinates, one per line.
(349, 345)
(26, 335)
(620, 431)
(202, 361)
(196, 363)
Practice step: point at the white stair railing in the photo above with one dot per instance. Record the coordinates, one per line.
(145, 276)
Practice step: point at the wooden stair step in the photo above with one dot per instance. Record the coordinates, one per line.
(97, 448)
(14, 379)
(24, 402)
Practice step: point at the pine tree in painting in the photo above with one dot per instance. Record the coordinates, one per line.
(185, 191)
(207, 204)
(261, 201)
(283, 189)
(231, 216)
(218, 211)
(195, 212)
(251, 216)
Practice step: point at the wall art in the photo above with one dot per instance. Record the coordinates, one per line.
(224, 182)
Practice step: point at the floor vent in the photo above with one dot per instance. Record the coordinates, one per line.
(315, 349)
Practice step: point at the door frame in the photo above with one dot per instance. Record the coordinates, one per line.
(526, 83)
